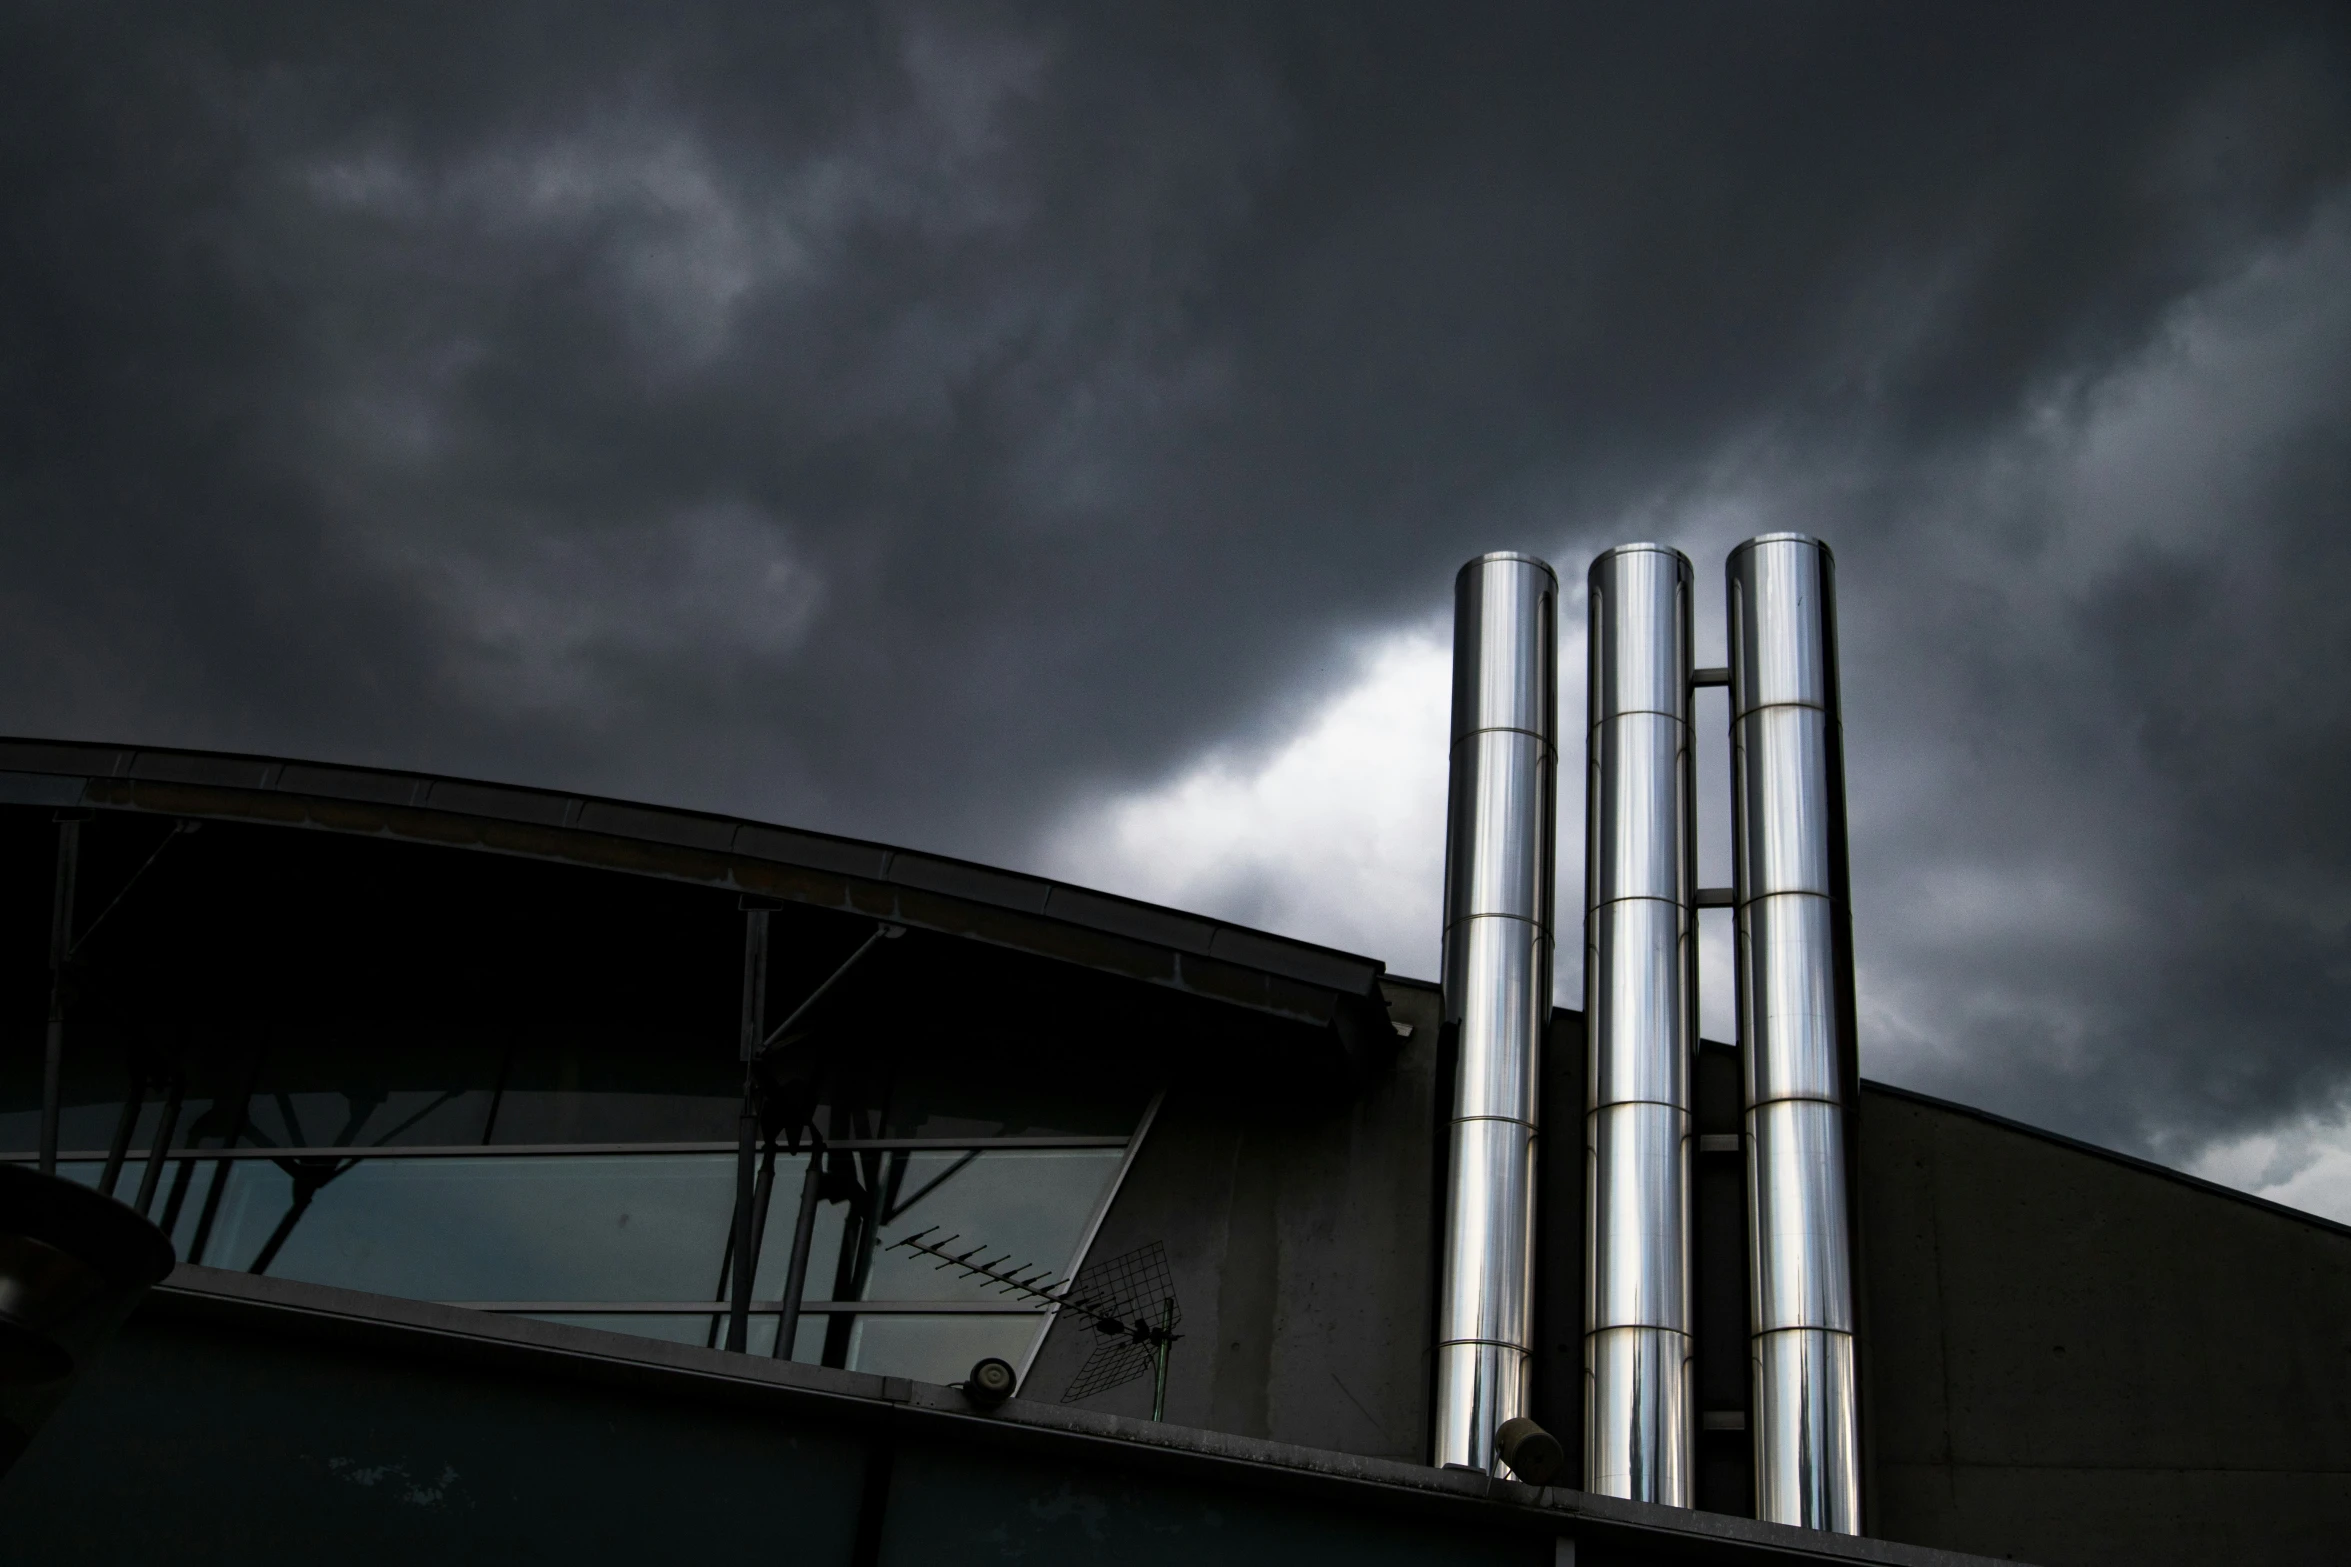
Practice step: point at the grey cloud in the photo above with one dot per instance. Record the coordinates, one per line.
(2097, 721)
(913, 421)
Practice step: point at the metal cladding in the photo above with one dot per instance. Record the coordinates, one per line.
(1640, 1008)
(1795, 987)
(1498, 932)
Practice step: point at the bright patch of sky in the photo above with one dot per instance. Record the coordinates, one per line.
(1334, 833)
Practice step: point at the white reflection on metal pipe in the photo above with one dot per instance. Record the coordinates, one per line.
(1498, 929)
(1640, 989)
(1795, 969)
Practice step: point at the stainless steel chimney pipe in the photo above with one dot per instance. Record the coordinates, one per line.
(1498, 931)
(1640, 1009)
(1795, 989)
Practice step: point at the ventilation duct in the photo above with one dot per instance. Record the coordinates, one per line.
(1796, 1036)
(1497, 990)
(1795, 1010)
(1640, 1010)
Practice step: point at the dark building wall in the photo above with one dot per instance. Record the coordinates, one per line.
(2070, 1356)
(2078, 1359)
(1304, 1232)
(198, 1444)
(256, 1421)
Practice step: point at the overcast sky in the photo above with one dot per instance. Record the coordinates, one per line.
(1048, 436)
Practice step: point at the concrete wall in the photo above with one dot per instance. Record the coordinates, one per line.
(1303, 1235)
(1297, 1222)
(2072, 1357)
(2078, 1359)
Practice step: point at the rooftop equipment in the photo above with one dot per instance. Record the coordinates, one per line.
(1796, 1034)
(1640, 1008)
(1795, 1009)
(1497, 991)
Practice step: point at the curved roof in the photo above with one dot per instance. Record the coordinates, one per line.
(1296, 980)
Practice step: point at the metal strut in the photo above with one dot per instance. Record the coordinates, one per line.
(69, 861)
(64, 946)
(754, 1152)
(882, 932)
(742, 1259)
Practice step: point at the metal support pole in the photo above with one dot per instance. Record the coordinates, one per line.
(134, 1100)
(754, 980)
(1497, 998)
(1640, 1007)
(747, 1125)
(739, 1292)
(149, 1177)
(69, 859)
(1159, 1352)
(220, 1167)
(1796, 1034)
(761, 1192)
(182, 1175)
(803, 1234)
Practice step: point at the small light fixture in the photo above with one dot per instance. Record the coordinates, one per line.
(990, 1382)
(1533, 1454)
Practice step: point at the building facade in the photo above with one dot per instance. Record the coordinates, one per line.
(459, 1101)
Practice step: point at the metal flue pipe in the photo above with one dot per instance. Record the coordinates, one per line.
(1640, 1010)
(1498, 933)
(1796, 1036)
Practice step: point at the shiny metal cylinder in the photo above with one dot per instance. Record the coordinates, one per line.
(1498, 933)
(1795, 1010)
(1640, 1009)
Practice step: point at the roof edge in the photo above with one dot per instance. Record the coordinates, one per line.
(2112, 1155)
(1207, 945)
(395, 1323)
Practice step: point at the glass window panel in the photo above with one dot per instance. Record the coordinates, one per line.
(775, 1247)
(936, 1349)
(653, 1227)
(1026, 1204)
(97, 1075)
(383, 1118)
(443, 1086)
(807, 1343)
(88, 1171)
(620, 1088)
(414, 1086)
(79, 1126)
(636, 1227)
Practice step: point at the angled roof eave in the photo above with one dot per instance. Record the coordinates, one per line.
(1232, 964)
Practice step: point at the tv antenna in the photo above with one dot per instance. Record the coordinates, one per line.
(1128, 1300)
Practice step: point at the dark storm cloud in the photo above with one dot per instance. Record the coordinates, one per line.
(911, 421)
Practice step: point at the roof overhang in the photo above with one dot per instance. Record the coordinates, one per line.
(1293, 981)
